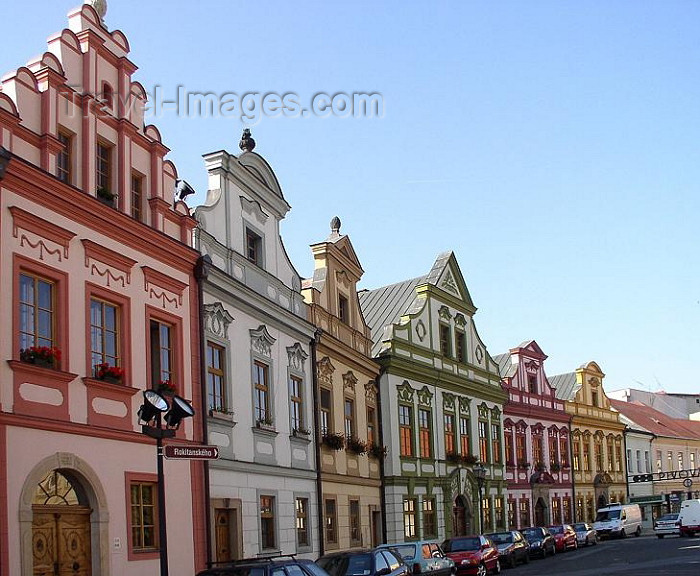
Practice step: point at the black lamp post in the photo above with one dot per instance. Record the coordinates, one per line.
(4, 161)
(154, 405)
(480, 474)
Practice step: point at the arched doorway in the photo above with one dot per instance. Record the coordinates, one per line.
(540, 513)
(602, 501)
(461, 517)
(60, 528)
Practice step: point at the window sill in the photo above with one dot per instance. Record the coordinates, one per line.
(110, 388)
(219, 415)
(264, 430)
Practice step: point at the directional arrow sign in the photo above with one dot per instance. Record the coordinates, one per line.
(192, 452)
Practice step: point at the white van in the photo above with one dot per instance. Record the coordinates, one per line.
(618, 520)
(690, 517)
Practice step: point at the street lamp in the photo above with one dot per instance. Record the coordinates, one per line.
(4, 161)
(480, 474)
(153, 407)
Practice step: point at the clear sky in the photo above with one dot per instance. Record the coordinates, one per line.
(553, 146)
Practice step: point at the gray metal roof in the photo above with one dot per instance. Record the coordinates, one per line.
(505, 367)
(565, 385)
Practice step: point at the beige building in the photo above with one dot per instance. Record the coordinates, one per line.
(597, 459)
(346, 411)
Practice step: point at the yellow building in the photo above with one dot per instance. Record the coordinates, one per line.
(346, 403)
(597, 441)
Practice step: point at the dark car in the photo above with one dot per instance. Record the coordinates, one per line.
(585, 534)
(376, 562)
(540, 540)
(512, 547)
(473, 555)
(564, 537)
(268, 566)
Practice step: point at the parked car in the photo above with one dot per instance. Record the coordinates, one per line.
(668, 524)
(619, 520)
(265, 567)
(512, 547)
(689, 517)
(473, 555)
(564, 537)
(585, 534)
(540, 540)
(376, 562)
(423, 557)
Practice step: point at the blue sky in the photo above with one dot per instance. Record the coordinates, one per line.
(553, 146)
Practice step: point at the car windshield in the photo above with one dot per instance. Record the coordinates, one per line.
(556, 529)
(532, 533)
(604, 515)
(501, 538)
(406, 552)
(669, 517)
(580, 527)
(462, 545)
(355, 565)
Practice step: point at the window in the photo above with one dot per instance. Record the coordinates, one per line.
(461, 344)
(659, 458)
(296, 403)
(449, 423)
(566, 508)
(556, 511)
(511, 514)
(580, 510)
(445, 347)
(594, 398)
(496, 443)
(144, 516)
(409, 518)
(552, 449)
(618, 456)
(267, 522)
(355, 534)
(349, 416)
(691, 457)
(598, 452)
(137, 197)
(326, 405)
(680, 460)
(499, 512)
(405, 430)
(429, 518)
(537, 449)
(343, 309)
(162, 368)
(509, 447)
(483, 441)
(563, 451)
(331, 522)
(586, 455)
(647, 462)
(103, 177)
(424, 433)
(532, 383)
(577, 455)
(302, 521)
(486, 511)
(639, 460)
(216, 378)
(253, 247)
(520, 454)
(261, 384)
(629, 460)
(669, 458)
(371, 425)
(524, 512)
(464, 443)
(64, 158)
(37, 309)
(107, 95)
(610, 453)
(104, 333)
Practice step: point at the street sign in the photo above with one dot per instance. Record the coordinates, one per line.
(687, 482)
(192, 452)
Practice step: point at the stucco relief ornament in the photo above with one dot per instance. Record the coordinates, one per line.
(421, 330)
(247, 144)
(479, 354)
(100, 7)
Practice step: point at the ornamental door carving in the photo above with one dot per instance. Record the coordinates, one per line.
(61, 541)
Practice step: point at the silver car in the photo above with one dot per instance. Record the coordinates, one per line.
(667, 524)
(423, 557)
(585, 534)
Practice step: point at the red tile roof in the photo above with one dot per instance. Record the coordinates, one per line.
(657, 422)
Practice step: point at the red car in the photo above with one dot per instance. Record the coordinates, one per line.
(564, 537)
(472, 555)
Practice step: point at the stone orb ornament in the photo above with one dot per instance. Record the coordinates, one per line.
(100, 7)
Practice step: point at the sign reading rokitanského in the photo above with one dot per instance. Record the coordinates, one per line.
(191, 452)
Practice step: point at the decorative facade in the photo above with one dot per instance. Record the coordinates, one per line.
(99, 304)
(258, 363)
(441, 407)
(347, 399)
(598, 464)
(536, 438)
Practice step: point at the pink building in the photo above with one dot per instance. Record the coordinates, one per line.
(536, 437)
(99, 302)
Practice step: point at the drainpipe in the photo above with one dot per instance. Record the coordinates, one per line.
(317, 438)
(573, 473)
(380, 431)
(201, 273)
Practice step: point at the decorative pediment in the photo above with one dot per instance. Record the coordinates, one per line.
(217, 320)
(325, 370)
(448, 402)
(343, 279)
(425, 397)
(448, 284)
(254, 208)
(405, 392)
(371, 392)
(296, 356)
(495, 412)
(349, 381)
(531, 367)
(464, 404)
(594, 382)
(537, 429)
(261, 341)
(602, 479)
(483, 411)
(444, 313)
(460, 320)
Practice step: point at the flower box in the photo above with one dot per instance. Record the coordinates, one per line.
(44, 356)
(166, 388)
(333, 441)
(355, 445)
(377, 451)
(111, 374)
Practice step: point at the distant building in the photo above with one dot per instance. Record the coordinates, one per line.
(259, 369)
(99, 304)
(597, 438)
(441, 407)
(683, 406)
(536, 435)
(347, 405)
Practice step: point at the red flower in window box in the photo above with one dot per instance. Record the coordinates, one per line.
(166, 387)
(109, 373)
(48, 356)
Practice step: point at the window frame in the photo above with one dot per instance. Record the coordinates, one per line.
(64, 157)
(266, 518)
(354, 522)
(177, 361)
(410, 519)
(302, 517)
(496, 442)
(133, 553)
(445, 334)
(425, 432)
(429, 513)
(262, 390)
(465, 444)
(104, 166)
(349, 419)
(406, 441)
(253, 244)
(93, 291)
(326, 412)
(136, 196)
(450, 433)
(330, 521)
(216, 402)
(343, 309)
(295, 388)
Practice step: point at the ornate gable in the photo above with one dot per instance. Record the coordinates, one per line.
(261, 341)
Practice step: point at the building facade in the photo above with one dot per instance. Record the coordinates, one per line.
(441, 407)
(100, 303)
(681, 406)
(597, 441)
(536, 438)
(259, 371)
(347, 403)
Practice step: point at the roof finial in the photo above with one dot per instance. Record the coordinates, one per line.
(335, 225)
(247, 144)
(100, 7)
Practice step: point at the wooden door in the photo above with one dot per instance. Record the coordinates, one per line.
(459, 518)
(61, 541)
(223, 534)
(539, 513)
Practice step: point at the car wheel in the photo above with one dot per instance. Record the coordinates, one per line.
(660, 536)
(554, 550)
(527, 558)
(497, 567)
(481, 570)
(623, 534)
(638, 531)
